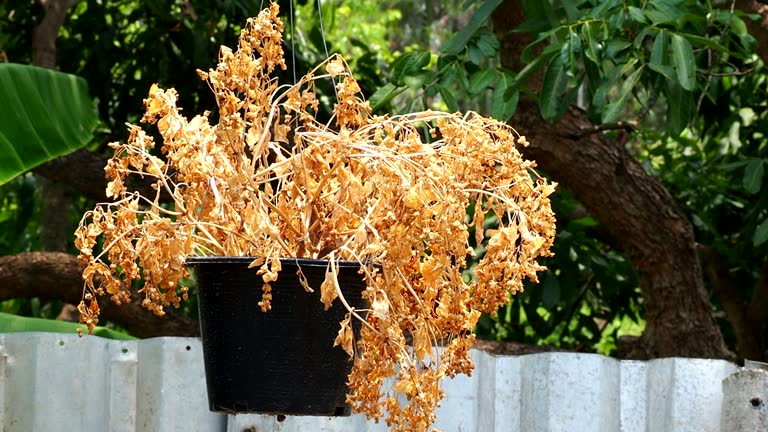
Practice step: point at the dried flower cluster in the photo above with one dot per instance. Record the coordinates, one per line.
(268, 180)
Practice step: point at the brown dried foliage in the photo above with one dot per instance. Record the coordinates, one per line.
(269, 181)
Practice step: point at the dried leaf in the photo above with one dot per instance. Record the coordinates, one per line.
(328, 290)
(345, 336)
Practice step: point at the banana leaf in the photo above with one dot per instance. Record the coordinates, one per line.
(15, 324)
(44, 114)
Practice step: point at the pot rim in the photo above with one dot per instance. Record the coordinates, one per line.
(305, 262)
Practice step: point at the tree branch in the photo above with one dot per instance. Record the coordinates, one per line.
(57, 275)
(88, 177)
(757, 311)
(758, 28)
(627, 126)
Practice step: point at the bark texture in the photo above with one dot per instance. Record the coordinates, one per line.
(89, 178)
(748, 331)
(54, 232)
(757, 28)
(634, 208)
(57, 275)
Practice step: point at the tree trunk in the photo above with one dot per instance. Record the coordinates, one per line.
(57, 276)
(635, 209)
(54, 232)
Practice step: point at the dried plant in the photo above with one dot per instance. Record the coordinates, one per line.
(268, 180)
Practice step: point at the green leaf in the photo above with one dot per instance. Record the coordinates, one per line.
(761, 233)
(680, 103)
(738, 27)
(550, 290)
(459, 41)
(753, 176)
(639, 40)
(600, 96)
(707, 42)
(659, 56)
(383, 95)
(14, 324)
(571, 11)
(663, 12)
(659, 51)
(481, 80)
(594, 45)
(605, 8)
(503, 105)
(615, 46)
(532, 67)
(682, 56)
(552, 89)
(450, 74)
(419, 79)
(667, 71)
(747, 115)
(528, 55)
(636, 14)
(409, 64)
(44, 114)
(734, 137)
(449, 99)
(733, 165)
(475, 55)
(613, 110)
(488, 44)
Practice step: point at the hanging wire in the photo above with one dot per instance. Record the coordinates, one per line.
(325, 44)
(322, 29)
(292, 18)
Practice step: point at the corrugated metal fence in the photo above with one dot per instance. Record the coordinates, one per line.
(57, 382)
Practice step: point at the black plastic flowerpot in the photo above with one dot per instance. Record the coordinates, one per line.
(282, 361)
